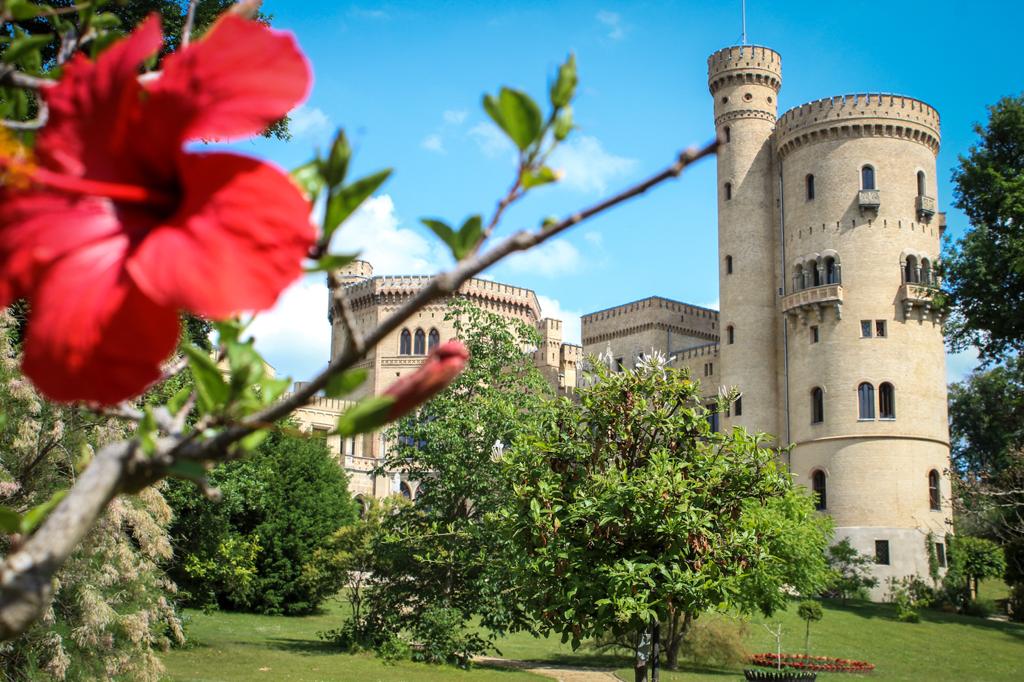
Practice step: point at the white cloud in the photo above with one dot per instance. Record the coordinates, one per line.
(587, 167)
(613, 20)
(714, 305)
(455, 117)
(294, 336)
(571, 326)
(552, 259)
(308, 121)
(491, 141)
(595, 239)
(959, 365)
(433, 143)
(375, 231)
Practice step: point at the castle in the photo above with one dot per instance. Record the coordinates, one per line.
(828, 236)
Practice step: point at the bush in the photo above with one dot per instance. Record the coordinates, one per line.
(979, 608)
(716, 641)
(909, 594)
(851, 572)
(251, 550)
(441, 638)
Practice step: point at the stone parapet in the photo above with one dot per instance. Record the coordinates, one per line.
(745, 63)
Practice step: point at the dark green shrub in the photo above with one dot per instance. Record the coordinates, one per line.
(440, 637)
(979, 608)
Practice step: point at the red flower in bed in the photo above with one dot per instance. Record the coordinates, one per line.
(114, 227)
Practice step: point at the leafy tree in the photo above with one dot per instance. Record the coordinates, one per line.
(628, 509)
(985, 273)
(986, 415)
(972, 560)
(809, 612)
(851, 572)
(250, 551)
(110, 608)
(436, 557)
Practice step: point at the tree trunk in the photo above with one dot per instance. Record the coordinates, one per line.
(655, 649)
(640, 660)
(678, 626)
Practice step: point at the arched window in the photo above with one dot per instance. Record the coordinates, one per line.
(934, 495)
(866, 401)
(810, 186)
(886, 401)
(911, 270)
(817, 405)
(831, 271)
(727, 133)
(920, 183)
(420, 347)
(926, 272)
(730, 334)
(728, 265)
(798, 277)
(815, 274)
(405, 490)
(819, 487)
(433, 339)
(405, 344)
(728, 191)
(867, 177)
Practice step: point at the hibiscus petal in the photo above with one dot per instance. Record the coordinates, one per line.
(94, 109)
(235, 243)
(234, 82)
(92, 335)
(38, 227)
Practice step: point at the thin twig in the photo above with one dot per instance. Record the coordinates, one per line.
(190, 20)
(11, 76)
(34, 124)
(343, 308)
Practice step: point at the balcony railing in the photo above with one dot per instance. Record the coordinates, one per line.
(925, 207)
(870, 199)
(919, 296)
(814, 299)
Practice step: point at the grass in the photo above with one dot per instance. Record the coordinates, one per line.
(942, 646)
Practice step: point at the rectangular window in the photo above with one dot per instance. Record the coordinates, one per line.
(712, 418)
(880, 328)
(882, 552)
(865, 329)
(814, 334)
(940, 554)
(618, 365)
(739, 406)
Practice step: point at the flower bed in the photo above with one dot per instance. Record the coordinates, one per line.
(805, 662)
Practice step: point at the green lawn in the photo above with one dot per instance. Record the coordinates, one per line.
(941, 647)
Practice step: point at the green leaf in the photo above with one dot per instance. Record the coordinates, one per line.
(563, 124)
(245, 363)
(541, 176)
(210, 385)
(10, 520)
(469, 236)
(228, 331)
(366, 415)
(564, 87)
(272, 388)
(443, 231)
(105, 20)
(517, 114)
(188, 469)
(344, 383)
(347, 200)
(178, 400)
(254, 439)
(22, 46)
(34, 516)
(21, 10)
(308, 178)
(334, 168)
(332, 261)
(147, 431)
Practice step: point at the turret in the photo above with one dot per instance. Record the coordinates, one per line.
(355, 272)
(744, 82)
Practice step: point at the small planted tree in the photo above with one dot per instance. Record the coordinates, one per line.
(809, 612)
(628, 509)
(851, 572)
(972, 560)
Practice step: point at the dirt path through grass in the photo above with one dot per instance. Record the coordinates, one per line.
(557, 672)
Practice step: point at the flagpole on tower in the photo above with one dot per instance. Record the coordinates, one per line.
(743, 12)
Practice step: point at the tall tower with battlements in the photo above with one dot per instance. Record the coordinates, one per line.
(745, 82)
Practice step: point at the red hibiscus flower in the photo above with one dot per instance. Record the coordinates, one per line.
(114, 227)
(440, 368)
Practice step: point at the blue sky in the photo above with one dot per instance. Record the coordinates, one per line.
(405, 80)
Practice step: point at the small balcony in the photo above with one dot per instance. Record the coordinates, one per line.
(925, 207)
(814, 300)
(921, 297)
(869, 199)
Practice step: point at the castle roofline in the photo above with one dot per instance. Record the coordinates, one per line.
(850, 98)
(648, 298)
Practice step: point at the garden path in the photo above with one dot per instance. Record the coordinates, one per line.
(557, 672)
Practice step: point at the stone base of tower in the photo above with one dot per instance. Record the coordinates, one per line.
(908, 553)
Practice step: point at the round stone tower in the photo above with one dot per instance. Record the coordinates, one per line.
(744, 82)
(864, 356)
(354, 273)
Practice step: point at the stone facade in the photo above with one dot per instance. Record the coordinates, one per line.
(828, 239)
(373, 298)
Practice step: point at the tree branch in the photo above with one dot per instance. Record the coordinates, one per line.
(190, 20)
(26, 576)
